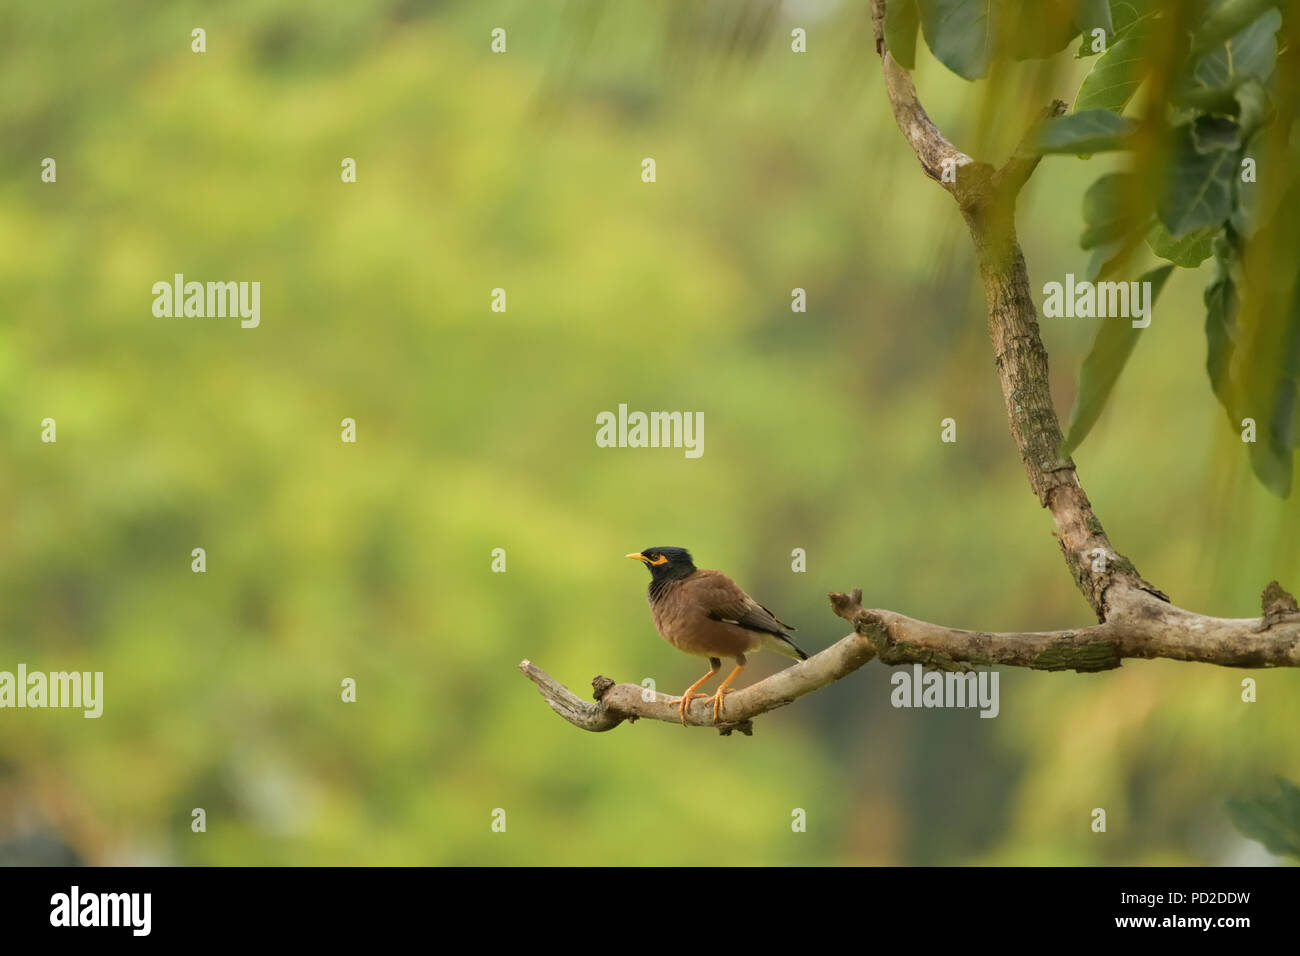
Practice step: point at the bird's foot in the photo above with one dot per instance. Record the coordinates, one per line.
(719, 702)
(684, 703)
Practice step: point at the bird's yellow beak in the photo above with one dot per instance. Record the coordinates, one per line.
(638, 556)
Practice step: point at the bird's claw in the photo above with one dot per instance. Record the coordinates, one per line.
(684, 703)
(719, 704)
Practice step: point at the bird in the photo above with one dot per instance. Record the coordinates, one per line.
(705, 613)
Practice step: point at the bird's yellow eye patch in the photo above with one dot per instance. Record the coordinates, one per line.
(655, 559)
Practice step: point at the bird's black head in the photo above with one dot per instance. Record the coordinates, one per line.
(665, 564)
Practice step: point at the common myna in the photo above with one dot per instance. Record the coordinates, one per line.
(707, 614)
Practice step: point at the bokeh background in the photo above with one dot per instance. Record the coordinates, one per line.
(476, 431)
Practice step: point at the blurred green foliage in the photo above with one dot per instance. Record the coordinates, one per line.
(328, 560)
(1273, 820)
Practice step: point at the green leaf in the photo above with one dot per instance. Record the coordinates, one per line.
(1094, 15)
(1271, 820)
(1189, 251)
(1271, 463)
(1124, 13)
(1105, 215)
(901, 23)
(1039, 28)
(1253, 107)
(1092, 131)
(1118, 73)
(1246, 197)
(966, 35)
(1109, 257)
(959, 33)
(1211, 133)
(1101, 369)
(1221, 331)
(1262, 383)
(1225, 18)
(1250, 53)
(1284, 416)
(1104, 260)
(1198, 186)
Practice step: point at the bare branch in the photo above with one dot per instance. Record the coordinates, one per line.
(1173, 633)
(931, 147)
(897, 639)
(1015, 172)
(987, 201)
(619, 702)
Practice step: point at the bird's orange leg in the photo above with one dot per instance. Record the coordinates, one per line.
(723, 690)
(690, 694)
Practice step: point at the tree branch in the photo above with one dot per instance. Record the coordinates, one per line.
(1136, 619)
(1270, 641)
(987, 199)
(618, 702)
(931, 146)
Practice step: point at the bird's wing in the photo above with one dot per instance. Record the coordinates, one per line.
(724, 600)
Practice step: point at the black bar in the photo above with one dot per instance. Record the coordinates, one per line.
(333, 905)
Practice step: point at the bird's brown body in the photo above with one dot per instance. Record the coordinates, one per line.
(700, 615)
(707, 614)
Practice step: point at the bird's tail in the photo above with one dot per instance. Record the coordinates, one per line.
(784, 644)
